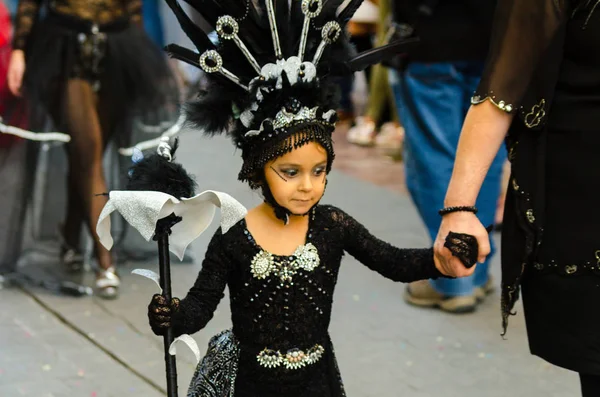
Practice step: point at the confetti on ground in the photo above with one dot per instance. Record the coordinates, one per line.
(94, 394)
(440, 348)
(439, 339)
(1, 371)
(355, 298)
(481, 355)
(373, 308)
(403, 346)
(81, 373)
(46, 367)
(409, 363)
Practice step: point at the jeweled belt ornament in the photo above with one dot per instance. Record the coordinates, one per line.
(292, 359)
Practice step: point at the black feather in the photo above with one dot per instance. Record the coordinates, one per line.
(348, 11)
(196, 35)
(329, 11)
(183, 54)
(156, 173)
(211, 10)
(211, 112)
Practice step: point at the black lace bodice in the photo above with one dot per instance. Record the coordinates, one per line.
(97, 11)
(283, 314)
(289, 305)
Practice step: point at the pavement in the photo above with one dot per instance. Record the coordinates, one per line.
(56, 346)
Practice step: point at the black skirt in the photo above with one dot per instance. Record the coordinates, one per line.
(561, 283)
(130, 73)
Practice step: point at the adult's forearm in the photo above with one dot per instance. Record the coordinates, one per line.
(483, 132)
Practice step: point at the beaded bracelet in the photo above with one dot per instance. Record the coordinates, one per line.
(460, 208)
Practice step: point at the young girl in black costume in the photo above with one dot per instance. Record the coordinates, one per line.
(281, 261)
(91, 67)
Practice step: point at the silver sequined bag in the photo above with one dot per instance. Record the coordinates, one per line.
(216, 372)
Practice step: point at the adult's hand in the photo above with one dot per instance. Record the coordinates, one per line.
(459, 222)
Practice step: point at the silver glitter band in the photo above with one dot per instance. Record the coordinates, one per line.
(274, 33)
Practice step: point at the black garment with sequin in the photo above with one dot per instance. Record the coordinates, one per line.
(282, 315)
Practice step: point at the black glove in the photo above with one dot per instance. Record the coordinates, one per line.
(160, 313)
(464, 247)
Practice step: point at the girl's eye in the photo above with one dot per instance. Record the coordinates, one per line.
(291, 173)
(319, 171)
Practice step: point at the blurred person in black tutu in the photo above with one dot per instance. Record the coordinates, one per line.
(90, 66)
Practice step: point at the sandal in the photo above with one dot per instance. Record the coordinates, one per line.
(71, 258)
(108, 283)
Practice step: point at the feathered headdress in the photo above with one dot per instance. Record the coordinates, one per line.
(272, 72)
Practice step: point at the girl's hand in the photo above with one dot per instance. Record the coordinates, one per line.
(16, 70)
(160, 313)
(459, 222)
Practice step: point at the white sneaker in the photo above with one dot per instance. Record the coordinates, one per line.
(391, 136)
(362, 133)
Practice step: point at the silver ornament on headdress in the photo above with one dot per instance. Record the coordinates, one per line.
(330, 33)
(214, 57)
(309, 13)
(227, 29)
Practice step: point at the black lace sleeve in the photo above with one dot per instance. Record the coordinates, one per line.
(27, 14)
(398, 264)
(198, 307)
(527, 39)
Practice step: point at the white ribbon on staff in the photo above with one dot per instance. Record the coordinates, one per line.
(152, 143)
(33, 136)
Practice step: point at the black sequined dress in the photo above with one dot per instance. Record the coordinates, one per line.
(544, 65)
(287, 306)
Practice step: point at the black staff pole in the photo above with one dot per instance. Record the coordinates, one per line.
(161, 236)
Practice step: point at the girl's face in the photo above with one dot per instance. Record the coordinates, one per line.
(297, 179)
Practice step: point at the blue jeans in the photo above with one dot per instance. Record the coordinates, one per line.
(432, 101)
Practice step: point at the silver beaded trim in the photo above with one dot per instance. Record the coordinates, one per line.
(306, 257)
(211, 55)
(329, 28)
(284, 118)
(293, 359)
(262, 265)
(330, 33)
(227, 21)
(506, 107)
(306, 6)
